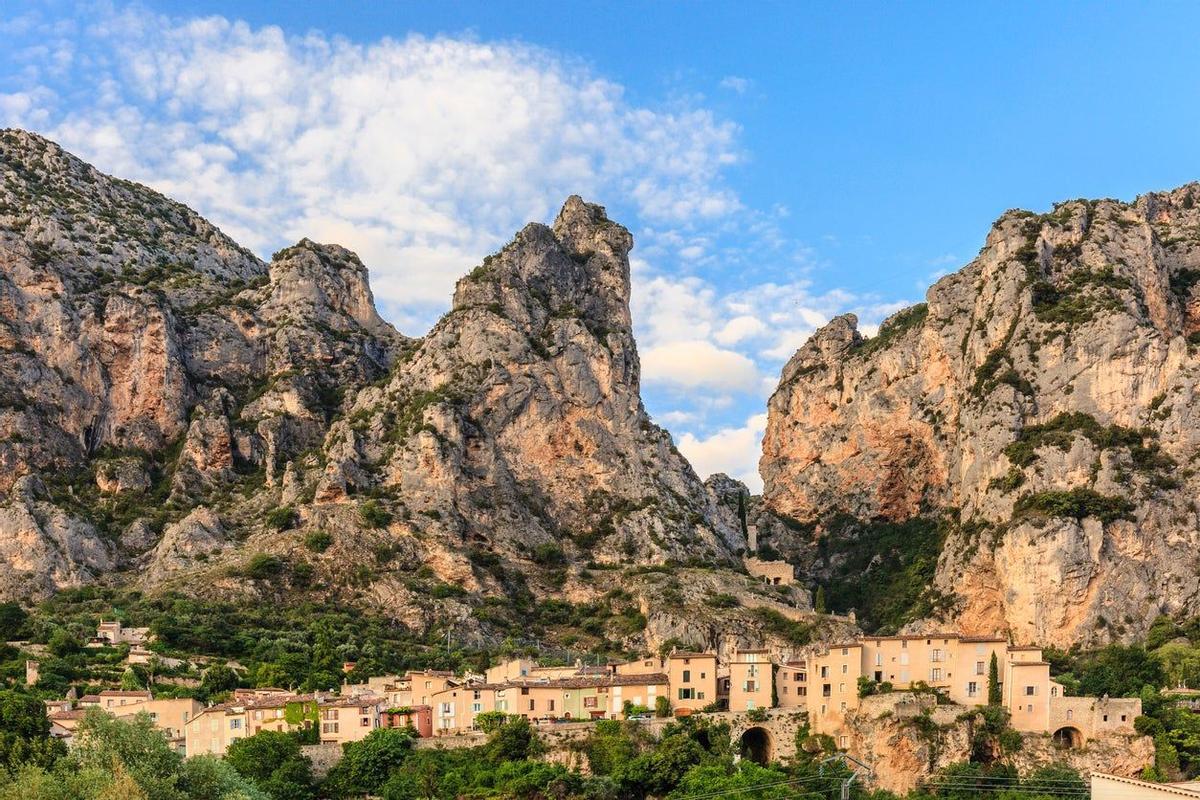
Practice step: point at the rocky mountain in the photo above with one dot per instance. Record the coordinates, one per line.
(1017, 453)
(177, 414)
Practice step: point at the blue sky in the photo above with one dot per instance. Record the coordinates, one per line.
(778, 163)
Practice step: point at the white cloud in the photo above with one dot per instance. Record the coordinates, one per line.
(698, 364)
(733, 451)
(422, 154)
(736, 84)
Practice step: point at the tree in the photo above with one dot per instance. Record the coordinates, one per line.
(218, 679)
(662, 706)
(213, 778)
(12, 621)
(366, 764)
(62, 643)
(102, 742)
(819, 601)
(273, 761)
(993, 687)
(515, 740)
(25, 733)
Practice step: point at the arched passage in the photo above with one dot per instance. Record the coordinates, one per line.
(1068, 737)
(756, 745)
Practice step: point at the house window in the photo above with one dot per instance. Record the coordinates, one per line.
(1030, 691)
(827, 690)
(477, 707)
(235, 724)
(1029, 709)
(845, 651)
(841, 688)
(687, 676)
(478, 694)
(1054, 691)
(824, 672)
(590, 702)
(687, 693)
(845, 668)
(935, 674)
(1106, 717)
(972, 689)
(551, 705)
(978, 667)
(366, 722)
(803, 691)
(936, 655)
(783, 690)
(524, 690)
(822, 709)
(1070, 713)
(1122, 718)
(879, 659)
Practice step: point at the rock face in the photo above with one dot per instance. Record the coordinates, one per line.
(210, 423)
(1041, 405)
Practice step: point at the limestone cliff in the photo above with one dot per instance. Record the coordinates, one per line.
(1032, 425)
(177, 414)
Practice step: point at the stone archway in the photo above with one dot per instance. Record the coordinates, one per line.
(1068, 737)
(756, 745)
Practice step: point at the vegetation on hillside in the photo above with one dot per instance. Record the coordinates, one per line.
(882, 570)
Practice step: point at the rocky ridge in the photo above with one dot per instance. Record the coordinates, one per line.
(177, 414)
(1033, 424)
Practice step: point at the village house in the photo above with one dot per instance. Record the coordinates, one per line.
(113, 633)
(419, 718)
(958, 667)
(751, 680)
(692, 679)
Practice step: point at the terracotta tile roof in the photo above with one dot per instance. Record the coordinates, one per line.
(685, 654)
(58, 716)
(119, 693)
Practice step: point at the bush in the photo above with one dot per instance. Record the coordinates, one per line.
(318, 541)
(281, 518)
(263, 566)
(1077, 503)
(374, 515)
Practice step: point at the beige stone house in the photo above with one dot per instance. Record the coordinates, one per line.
(751, 680)
(692, 679)
(958, 667)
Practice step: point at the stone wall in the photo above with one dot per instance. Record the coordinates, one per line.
(323, 757)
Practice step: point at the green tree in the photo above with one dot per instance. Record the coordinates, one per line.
(662, 706)
(273, 761)
(12, 621)
(743, 780)
(366, 764)
(62, 643)
(213, 778)
(994, 697)
(218, 679)
(136, 745)
(25, 733)
(513, 741)
(819, 600)
(610, 744)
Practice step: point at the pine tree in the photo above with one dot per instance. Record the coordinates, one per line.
(819, 600)
(994, 698)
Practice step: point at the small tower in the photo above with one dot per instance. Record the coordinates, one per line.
(752, 538)
(32, 672)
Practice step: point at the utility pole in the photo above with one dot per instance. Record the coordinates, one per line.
(858, 769)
